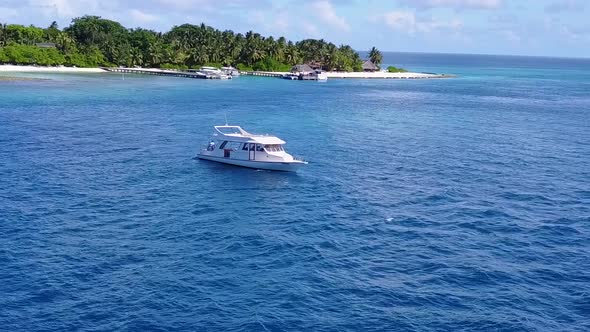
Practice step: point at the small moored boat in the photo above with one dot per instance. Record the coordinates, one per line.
(231, 71)
(233, 145)
(291, 76)
(213, 72)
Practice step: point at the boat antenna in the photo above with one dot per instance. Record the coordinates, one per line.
(225, 115)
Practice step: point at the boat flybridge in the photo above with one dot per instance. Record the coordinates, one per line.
(233, 145)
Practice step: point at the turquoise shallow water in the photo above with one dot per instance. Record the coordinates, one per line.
(459, 204)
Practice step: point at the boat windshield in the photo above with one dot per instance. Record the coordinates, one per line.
(274, 148)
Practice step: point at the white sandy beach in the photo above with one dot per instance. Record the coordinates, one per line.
(381, 74)
(376, 74)
(333, 75)
(39, 69)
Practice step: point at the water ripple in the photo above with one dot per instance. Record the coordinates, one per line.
(448, 205)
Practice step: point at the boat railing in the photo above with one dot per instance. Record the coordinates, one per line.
(299, 158)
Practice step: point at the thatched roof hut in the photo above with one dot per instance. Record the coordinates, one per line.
(369, 66)
(304, 68)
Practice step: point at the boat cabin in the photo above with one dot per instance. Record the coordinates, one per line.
(235, 142)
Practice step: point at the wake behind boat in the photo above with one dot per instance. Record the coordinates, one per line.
(233, 145)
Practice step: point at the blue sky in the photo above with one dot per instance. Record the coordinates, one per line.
(520, 27)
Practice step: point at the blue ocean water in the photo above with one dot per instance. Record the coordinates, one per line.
(428, 205)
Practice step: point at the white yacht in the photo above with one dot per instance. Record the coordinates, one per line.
(291, 76)
(231, 71)
(320, 75)
(233, 145)
(214, 73)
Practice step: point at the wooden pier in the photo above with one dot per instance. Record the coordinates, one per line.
(353, 75)
(158, 72)
(262, 73)
(331, 75)
(300, 77)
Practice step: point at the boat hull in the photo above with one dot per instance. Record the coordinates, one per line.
(266, 165)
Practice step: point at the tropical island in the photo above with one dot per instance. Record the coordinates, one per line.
(92, 41)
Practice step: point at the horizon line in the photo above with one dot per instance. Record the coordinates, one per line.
(488, 54)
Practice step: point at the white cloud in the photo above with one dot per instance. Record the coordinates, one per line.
(565, 6)
(309, 29)
(141, 17)
(273, 23)
(256, 17)
(408, 22)
(324, 12)
(511, 36)
(211, 5)
(7, 13)
(64, 8)
(455, 4)
(399, 20)
(186, 4)
(281, 22)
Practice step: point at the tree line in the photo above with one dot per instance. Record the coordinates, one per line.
(92, 41)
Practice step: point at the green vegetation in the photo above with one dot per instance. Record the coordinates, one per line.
(393, 69)
(92, 41)
(375, 56)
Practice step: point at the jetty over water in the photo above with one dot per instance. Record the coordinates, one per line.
(264, 73)
(332, 75)
(158, 72)
(357, 75)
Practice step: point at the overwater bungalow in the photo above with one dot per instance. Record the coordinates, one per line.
(305, 72)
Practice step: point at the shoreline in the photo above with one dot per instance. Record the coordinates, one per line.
(331, 75)
(45, 69)
(358, 75)
(384, 75)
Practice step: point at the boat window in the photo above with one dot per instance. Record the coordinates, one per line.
(245, 147)
(274, 147)
(251, 146)
(222, 145)
(259, 147)
(233, 145)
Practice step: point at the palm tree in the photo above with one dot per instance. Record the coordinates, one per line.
(375, 56)
(292, 55)
(136, 57)
(198, 56)
(3, 34)
(280, 45)
(257, 54)
(154, 53)
(331, 57)
(64, 42)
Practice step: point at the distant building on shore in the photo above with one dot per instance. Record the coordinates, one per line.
(45, 45)
(315, 65)
(304, 69)
(368, 65)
